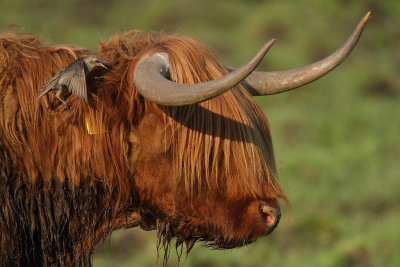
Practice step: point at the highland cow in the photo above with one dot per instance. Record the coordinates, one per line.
(170, 139)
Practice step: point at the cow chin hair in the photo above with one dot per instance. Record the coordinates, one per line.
(188, 237)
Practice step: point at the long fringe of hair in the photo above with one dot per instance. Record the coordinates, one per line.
(211, 140)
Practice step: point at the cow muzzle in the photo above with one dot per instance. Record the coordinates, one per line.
(270, 215)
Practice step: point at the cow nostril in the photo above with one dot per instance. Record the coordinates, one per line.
(270, 215)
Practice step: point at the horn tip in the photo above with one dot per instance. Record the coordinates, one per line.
(363, 22)
(366, 17)
(268, 44)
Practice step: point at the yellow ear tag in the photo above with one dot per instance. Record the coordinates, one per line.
(89, 129)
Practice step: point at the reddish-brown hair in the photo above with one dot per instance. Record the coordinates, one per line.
(117, 102)
(201, 137)
(221, 145)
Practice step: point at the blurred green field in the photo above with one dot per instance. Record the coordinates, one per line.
(337, 140)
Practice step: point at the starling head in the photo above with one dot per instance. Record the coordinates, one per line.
(92, 61)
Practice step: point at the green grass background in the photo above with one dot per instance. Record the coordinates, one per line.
(336, 140)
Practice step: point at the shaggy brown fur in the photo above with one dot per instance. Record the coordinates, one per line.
(193, 172)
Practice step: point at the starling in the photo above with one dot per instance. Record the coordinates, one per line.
(73, 78)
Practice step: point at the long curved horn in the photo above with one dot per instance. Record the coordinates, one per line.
(150, 80)
(268, 83)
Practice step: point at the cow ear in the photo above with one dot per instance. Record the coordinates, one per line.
(151, 137)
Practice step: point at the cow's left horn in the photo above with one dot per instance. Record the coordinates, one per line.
(268, 83)
(151, 82)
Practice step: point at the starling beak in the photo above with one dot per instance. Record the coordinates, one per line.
(73, 78)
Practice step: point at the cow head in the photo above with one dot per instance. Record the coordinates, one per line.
(199, 146)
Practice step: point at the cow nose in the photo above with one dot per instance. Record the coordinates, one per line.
(270, 215)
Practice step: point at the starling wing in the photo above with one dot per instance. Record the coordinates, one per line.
(72, 78)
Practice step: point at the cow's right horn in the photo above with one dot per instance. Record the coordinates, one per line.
(151, 82)
(268, 83)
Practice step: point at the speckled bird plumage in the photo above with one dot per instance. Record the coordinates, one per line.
(73, 78)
